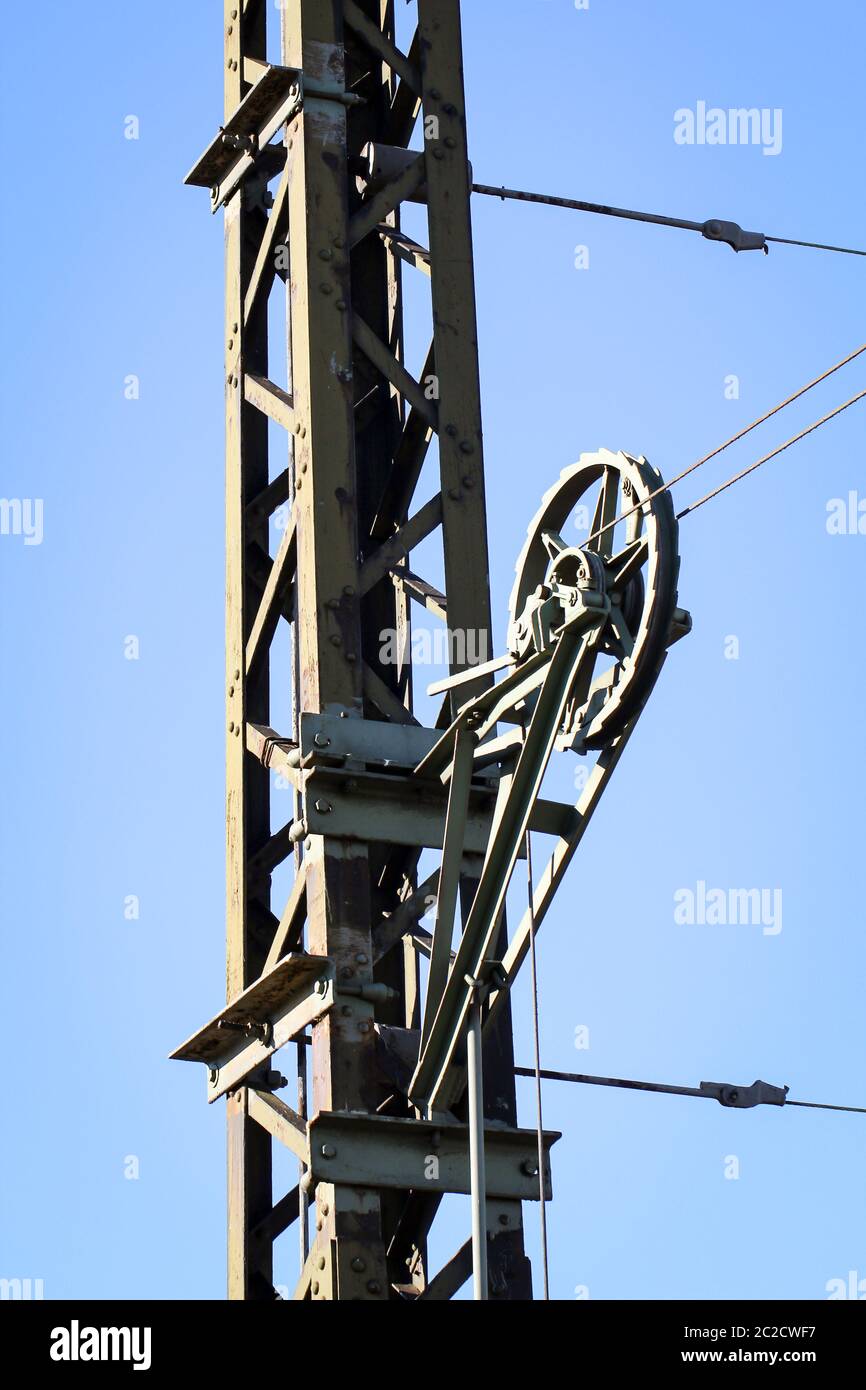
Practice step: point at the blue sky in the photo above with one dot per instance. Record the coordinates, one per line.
(745, 772)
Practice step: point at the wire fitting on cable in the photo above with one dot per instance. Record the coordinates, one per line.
(734, 236)
(745, 1097)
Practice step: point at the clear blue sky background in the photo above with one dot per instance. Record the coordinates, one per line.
(745, 773)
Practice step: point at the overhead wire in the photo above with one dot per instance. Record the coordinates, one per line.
(744, 472)
(530, 891)
(734, 439)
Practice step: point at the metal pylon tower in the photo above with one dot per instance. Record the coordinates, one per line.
(311, 167)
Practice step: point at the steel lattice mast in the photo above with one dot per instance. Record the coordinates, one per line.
(359, 427)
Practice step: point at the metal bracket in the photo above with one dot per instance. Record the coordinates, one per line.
(745, 1097)
(344, 804)
(272, 1011)
(274, 99)
(423, 1155)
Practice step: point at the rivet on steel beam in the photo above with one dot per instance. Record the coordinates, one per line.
(320, 1262)
(324, 808)
(349, 591)
(328, 1151)
(374, 1286)
(467, 447)
(322, 741)
(359, 1265)
(450, 142)
(336, 640)
(315, 1284)
(455, 494)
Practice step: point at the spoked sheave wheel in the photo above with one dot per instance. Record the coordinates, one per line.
(640, 559)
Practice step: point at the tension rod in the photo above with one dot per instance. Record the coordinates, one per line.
(735, 1097)
(715, 229)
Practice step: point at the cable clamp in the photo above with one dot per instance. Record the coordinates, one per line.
(734, 236)
(745, 1097)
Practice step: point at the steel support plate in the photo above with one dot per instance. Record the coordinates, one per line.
(297, 992)
(425, 1156)
(331, 736)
